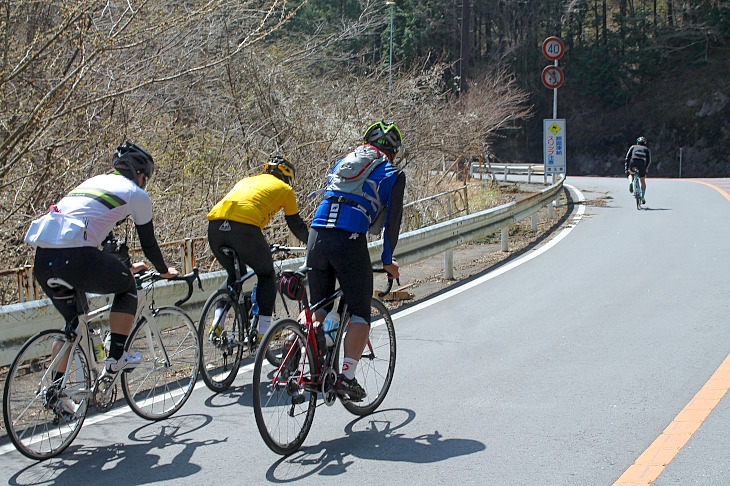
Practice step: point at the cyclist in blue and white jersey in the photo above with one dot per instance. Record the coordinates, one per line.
(364, 193)
(69, 237)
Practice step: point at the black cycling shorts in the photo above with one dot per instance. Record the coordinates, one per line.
(90, 270)
(638, 166)
(338, 255)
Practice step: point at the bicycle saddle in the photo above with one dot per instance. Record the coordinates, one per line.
(65, 291)
(228, 251)
(55, 283)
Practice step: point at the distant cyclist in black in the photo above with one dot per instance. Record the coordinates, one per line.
(638, 158)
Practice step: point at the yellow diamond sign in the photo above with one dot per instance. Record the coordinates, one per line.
(555, 128)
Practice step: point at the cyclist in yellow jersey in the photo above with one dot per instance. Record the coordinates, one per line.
(238, 219)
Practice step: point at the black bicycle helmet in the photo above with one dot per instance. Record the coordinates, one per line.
(281, 168)
(641, 141)
(134, 160)
(385, 136)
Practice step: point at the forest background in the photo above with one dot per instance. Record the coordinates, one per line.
(214, 87)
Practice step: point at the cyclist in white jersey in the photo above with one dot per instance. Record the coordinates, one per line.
(68, 240)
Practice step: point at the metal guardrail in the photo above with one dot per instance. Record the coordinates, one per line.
(28, 288)
(505, 169)
(20, 321)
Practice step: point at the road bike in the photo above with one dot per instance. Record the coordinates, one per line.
(285, 394)
(636, 187)
(228, 326)
(53, 383)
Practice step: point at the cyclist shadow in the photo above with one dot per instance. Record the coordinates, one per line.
(375, 438)
(113, 463)
(647, 208)
(234, 396)
(239, 394)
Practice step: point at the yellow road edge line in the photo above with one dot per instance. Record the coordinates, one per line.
(727, 196)
(651, 463)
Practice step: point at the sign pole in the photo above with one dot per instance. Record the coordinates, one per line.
(555, 98)
(555, 114)
(554, 129)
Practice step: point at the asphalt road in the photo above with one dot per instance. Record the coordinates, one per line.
(562, 367)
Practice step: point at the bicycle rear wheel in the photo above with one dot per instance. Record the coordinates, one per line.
(637, 192)
(281, 311)
(376, 366)
(36, 410)
(285, 396)
(220, 355)
(157, 388)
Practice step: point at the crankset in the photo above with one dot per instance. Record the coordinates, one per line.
(105, 393)
(329, 394)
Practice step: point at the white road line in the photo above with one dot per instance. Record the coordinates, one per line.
(505, 268)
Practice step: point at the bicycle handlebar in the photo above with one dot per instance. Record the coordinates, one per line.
(153, 276)
(390, 281)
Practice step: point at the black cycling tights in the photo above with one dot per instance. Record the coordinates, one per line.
(253, 250)
(89, 270)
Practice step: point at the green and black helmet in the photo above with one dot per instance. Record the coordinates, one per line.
(385, 136)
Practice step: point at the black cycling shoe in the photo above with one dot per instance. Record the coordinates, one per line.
(349, 389)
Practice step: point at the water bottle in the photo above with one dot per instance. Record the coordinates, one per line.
(99, 353)
(331, 323)
(254, 302)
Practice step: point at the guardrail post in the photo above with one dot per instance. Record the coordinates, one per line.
(188, 256)
(533, 222)
(449, 254)
(466, 199)
(550, 210)
(506, 170)
(529, 174)
(26, 290)
(505, 239)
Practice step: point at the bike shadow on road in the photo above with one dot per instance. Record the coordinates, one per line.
(113, 463)
(646, 208)
(374, 437)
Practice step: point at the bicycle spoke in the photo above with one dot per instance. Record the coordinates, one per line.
(284, 404)
(33, 406)
(220, 354)
(161, 384)
(377, 363)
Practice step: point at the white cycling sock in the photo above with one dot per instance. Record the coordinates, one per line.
(217, 315)
(349, 366)
(264, 324)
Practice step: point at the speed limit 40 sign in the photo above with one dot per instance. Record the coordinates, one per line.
(553, 48)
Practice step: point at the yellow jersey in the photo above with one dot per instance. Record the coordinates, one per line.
(255, 200)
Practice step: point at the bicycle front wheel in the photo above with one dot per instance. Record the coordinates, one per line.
(220, 353)
(285, 395)
(164, 380)
(39, 415)
(377, 364)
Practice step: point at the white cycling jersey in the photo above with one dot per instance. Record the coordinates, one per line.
(89, 212)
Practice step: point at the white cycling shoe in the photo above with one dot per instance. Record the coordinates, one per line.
(69, 406)
(125, 363)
